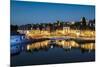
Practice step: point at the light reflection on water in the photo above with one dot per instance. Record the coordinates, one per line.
(60, 43)
(54, 51)
(38, 45)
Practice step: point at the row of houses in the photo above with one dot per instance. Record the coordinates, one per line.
(59, 25)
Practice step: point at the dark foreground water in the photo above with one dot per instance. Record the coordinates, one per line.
(52, 52)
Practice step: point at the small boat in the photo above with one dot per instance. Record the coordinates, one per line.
(17, 38)
(16, 41)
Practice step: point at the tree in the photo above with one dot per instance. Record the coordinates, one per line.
(83, 21)
(14, 28)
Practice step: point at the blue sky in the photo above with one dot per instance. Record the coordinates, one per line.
(37, 12)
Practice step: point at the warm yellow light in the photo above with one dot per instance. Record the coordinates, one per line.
(28, 47)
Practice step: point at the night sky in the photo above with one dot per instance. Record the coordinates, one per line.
(37, 12)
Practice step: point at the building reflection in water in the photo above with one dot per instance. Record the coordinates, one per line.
(66, 45)
(87, 47)
(38, 45)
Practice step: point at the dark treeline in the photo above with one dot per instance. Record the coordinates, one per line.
(14, 27)
(81, 25)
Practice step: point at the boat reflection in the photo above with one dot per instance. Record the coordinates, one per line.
(15, 49)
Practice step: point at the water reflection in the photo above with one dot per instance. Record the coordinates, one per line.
(66, 45)
(87, 47)
(52, 51)
(38, 46)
